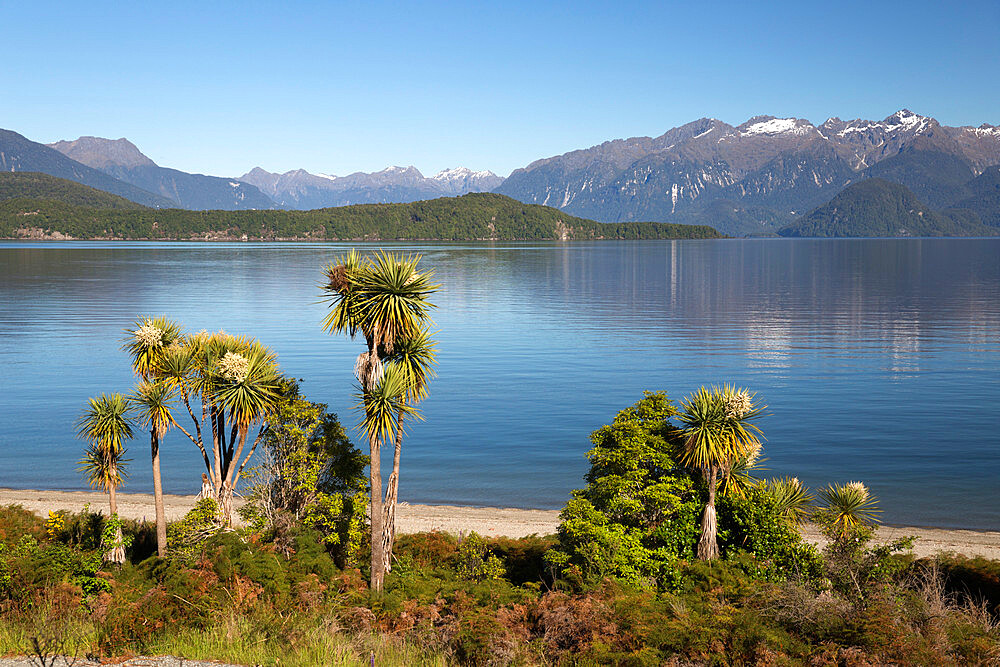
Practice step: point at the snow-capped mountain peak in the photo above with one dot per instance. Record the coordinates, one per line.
(461, 174)
(906, 120)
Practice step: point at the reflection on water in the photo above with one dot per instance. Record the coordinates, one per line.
(878, 358)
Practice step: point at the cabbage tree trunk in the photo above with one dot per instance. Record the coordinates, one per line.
(378, 546)
(161, 518)
(708, 544)
(391, 497)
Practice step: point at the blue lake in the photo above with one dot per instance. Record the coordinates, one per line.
(879, 359)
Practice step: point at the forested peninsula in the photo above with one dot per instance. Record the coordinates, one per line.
(44, 207)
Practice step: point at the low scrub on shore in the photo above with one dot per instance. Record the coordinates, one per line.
(469, 600)
(648, 567)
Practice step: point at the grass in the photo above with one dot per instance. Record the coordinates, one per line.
(233, 639)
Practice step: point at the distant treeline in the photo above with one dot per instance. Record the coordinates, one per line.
(39, 213)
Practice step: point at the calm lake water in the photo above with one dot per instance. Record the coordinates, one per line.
(879, 359)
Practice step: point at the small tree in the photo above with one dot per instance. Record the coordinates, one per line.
(718, 432)
(637, 516)
(152, 403)
(310, 473)
(848, 517)
(105, 426)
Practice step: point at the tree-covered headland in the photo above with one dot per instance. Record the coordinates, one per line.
(35, 207)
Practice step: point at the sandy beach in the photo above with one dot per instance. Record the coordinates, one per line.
(488, 521)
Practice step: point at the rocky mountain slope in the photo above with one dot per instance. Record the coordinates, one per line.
(302, 190)
(20, 154)
(765, 172)
(121, 159)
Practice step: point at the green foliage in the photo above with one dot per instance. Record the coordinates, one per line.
(310, 473)
(31, 566)
(638, 514)
(36, 185)
(113, 537)
(756, 533)
(251, 602)
(638, 518)
(854, 567)
(477, 216)
(718, 427)
(792, 500)
(846, 508)
(186, 538)
(475, 561)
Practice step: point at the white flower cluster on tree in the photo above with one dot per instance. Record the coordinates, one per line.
(738, 403)
(149, 335)
(234, 367)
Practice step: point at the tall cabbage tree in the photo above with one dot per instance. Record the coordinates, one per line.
(146, 342)
(237, 383)
(105, 426)
(717, 432)
(152, 403)
(385, 298)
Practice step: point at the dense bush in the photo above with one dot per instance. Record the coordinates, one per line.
(619, 584)
(753, 530)
(637, 517)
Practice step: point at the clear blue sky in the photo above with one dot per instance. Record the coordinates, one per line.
(218, 87)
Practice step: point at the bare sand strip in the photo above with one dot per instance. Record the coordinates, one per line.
(487, 521)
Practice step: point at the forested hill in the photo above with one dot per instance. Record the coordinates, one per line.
(36, 185)
(876, 207)
(480, 216)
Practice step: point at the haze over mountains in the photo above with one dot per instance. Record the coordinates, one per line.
(301, 190)
(92, 160)
(761, 177)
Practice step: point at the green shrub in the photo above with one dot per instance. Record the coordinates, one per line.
(187, 537)
(474, 560)
(309, 474)
(752, 529)
(637, 517)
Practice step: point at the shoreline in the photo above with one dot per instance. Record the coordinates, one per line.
(487, 521)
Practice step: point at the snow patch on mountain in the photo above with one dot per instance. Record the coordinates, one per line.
(777, 126)
(903, 120)
(986, 131)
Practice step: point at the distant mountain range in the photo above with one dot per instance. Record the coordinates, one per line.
(121, 159)
(768, 175)
(762, 174)
(119, 167)
(301, 190)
